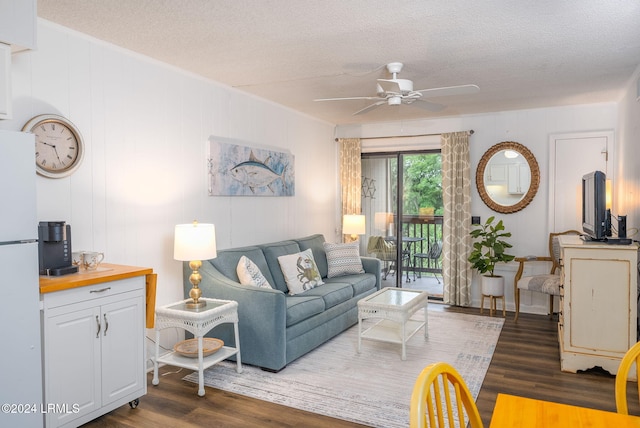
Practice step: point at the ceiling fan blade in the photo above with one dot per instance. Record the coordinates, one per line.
(370, 107)
(449, 91)
(390, 86)
(427, 105)
(347, 98)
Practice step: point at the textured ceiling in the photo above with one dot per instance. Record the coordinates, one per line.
(522, 54)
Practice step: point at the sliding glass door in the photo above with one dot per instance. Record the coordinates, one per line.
(402, 202)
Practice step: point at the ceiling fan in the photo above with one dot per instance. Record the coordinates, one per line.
(396, 91)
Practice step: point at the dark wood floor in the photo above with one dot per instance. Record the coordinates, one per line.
(526, 362)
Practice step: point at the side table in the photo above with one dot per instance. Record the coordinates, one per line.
(199, 322)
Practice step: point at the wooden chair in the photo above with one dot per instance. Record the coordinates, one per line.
(441, 398)
(544, 283)
(632, 356)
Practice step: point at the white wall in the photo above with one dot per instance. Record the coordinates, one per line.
(532, 128)
(627, 201)
(146, 126)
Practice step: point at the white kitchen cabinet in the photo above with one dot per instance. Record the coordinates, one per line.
(598, 318)
(93, 343)
(519, 179)
(18, 23)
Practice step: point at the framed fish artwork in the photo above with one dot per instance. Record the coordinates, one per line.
(241, 170)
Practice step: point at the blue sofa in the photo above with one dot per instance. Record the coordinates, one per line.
(276, 328)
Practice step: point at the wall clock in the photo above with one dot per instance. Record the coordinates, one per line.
(59, 145)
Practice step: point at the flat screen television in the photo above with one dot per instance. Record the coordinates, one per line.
(594, 206)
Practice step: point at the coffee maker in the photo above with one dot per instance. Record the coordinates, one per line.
(54, 248)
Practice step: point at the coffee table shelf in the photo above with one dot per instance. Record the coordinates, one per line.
(394, 307)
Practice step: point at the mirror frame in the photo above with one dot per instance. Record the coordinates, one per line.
(533, 167)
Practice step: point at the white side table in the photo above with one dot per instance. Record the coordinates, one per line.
(197, 321)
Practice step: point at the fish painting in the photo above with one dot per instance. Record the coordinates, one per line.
(255, 173)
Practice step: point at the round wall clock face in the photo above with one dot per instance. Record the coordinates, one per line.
(59, 145)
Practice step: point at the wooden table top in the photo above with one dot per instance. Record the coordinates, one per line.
(520, 412)
(105, 272)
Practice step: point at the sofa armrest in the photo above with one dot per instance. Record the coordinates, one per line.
(262, 314)
(373, 265)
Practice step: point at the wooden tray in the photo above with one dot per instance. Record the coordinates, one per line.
(189, 348)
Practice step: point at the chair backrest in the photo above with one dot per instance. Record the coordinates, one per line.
(632, 356)
(435, 251)
(381, 248)
(554, 247)
(441, 398)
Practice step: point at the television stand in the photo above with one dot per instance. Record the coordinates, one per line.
(598, 306)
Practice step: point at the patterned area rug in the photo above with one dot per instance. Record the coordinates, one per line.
(374, 387)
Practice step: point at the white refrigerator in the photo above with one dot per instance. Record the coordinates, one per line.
(20, 342)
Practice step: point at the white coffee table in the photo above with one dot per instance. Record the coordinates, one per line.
(394, 307)
(198, 321)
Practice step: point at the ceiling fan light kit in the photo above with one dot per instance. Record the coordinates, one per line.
(396, 91)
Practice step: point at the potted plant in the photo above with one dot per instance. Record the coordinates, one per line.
(488, 250)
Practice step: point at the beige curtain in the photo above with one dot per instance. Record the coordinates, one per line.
(456, 195)
(350, 176)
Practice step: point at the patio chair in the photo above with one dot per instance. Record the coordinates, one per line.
(439, 395)
(434, 253)
(384, 250)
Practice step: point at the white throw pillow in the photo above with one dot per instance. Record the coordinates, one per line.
(300, 272)
(343, 259)
(249, 274)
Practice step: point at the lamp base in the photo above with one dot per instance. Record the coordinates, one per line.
(196, 305)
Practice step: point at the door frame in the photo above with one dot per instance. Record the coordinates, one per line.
(555, 139)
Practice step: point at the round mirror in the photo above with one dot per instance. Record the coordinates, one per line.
(507, 177)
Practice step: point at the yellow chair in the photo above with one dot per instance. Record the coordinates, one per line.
(545, 283)
(432, 403)
(632, 356)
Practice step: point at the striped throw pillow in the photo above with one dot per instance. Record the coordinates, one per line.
(343, 259)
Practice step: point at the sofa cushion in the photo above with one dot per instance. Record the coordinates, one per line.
(332, 294)
(271, 253)
(227, 262)
(343, 259)
(315, 243)
(300, 271)
(360, 283)
(250, 274)
(299, 308)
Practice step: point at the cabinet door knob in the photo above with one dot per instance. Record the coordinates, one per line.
(106, 324)
(99, 326)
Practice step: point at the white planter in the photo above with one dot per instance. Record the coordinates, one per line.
(492, 285)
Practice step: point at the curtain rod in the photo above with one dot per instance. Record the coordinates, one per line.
(408, 136)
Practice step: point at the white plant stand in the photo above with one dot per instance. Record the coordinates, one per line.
(493, 288)
(199, 322)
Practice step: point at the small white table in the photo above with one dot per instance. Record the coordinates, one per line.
(395, 307)
(197, 321)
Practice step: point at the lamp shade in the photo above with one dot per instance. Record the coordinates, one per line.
(195, 241)
(353, 224)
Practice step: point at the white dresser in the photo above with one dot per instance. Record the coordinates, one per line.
(598, 317)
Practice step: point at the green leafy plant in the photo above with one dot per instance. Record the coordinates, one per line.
(490, 248)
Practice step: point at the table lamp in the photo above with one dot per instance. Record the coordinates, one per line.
(354, 225)
(193, 243)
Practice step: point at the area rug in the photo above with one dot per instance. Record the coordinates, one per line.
(374, 387)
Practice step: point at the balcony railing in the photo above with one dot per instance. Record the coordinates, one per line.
(425, 253)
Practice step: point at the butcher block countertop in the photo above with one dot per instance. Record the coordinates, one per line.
(105, 272)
